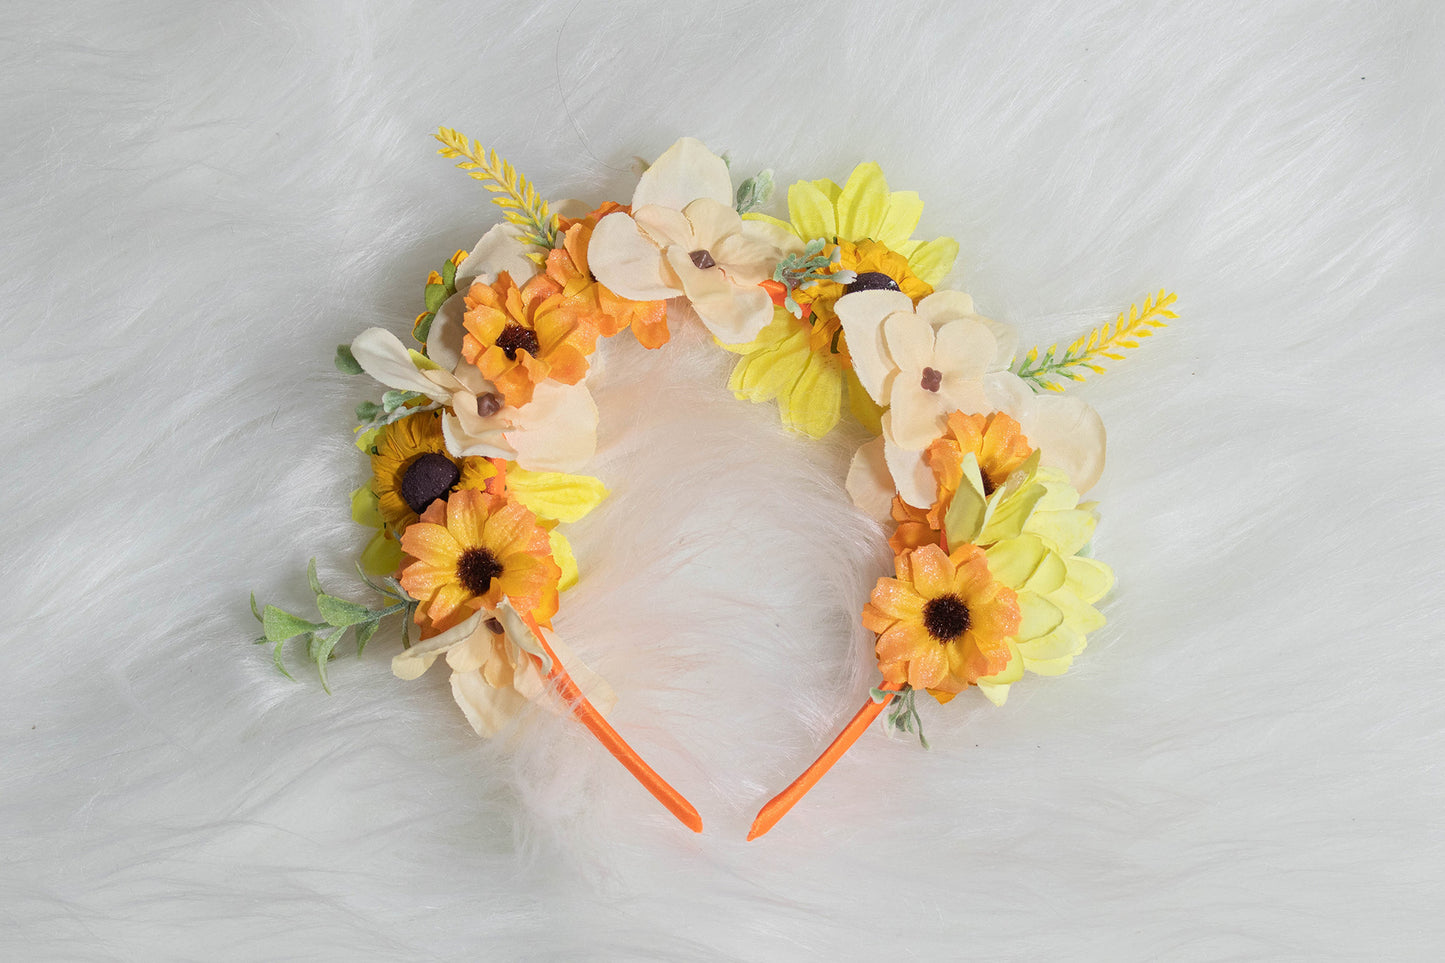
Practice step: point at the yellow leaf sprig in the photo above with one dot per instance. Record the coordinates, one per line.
(511, 191)
(1106, 341)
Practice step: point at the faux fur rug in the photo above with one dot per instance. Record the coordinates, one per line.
(200, 201)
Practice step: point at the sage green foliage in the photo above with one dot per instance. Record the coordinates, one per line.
(346, 362)
(436, 296)
(797, 271)
(337, 615)
(370, 415)
(903, 715)
(754, 192)
(1041, 371)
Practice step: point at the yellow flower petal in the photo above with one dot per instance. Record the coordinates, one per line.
(1037, 617)
(863, 203)
(900, 217)
(932, 261)
(566, 561)
(811, 211)
(1088, 579)
(382, 555)
(365, 508)
(554, 495)
(815, 403)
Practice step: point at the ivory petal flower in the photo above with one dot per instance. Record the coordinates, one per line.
(684, 238)
(500, 250)
(1068, 433)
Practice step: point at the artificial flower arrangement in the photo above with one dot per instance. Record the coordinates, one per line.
(978, 465)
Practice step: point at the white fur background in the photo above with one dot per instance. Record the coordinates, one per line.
(200, 201)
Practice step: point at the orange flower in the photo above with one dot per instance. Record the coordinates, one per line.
(914, 529)
(996, 440)
(944, 622)
(583, 294)
(469, 551)
(519, 337)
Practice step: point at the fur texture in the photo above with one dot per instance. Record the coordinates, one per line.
(201, 201)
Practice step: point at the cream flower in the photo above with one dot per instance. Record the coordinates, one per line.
(926, 362)
(494, 673)
(556, 431)
(683, 237)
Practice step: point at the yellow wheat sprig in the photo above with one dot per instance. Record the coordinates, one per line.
(1106, 341)
(511, 191)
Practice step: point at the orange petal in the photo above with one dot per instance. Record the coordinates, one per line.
(430, 543)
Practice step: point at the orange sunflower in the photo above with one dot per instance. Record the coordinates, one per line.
(583, 294)
(944, 622)
(469, 551)
(411, 468)
(519, 337)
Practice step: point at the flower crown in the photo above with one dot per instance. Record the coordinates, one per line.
(979, 461)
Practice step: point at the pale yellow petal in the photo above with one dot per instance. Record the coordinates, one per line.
(811, 212)
(863, 203)
(933, 260)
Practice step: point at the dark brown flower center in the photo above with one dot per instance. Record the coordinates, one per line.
(946, 617)
(702, 260)
(932, 379)
(489, 404)
(516, 338)
(476, 569)
(872, 281)
(428, 478)
(494, 626)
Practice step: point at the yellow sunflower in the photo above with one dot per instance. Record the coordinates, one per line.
(804, 363)
(411, 468)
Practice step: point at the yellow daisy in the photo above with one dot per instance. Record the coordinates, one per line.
(804, 363)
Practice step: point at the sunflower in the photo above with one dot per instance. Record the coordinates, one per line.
(869, 227)
(473, 549)
(520, 336)
(411, 468)
(944, 623)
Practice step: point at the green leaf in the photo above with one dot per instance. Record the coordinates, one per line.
(754, 192)
(969, 509)
(364, 633)
(395, 398)
(449, 276)
(435, 295)
(281, 625)
(276, 658)
(255, 611)
(423, 327)
(321, 652)
(340, 612)
(367, 411)
(345, 361)
(311, 578)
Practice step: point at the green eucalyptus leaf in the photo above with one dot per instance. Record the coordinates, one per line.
(341, 613)
(423, 327)
(346, 362)
(254, 610)
(276, 658)
(395, 398)
(364, 632)
(321, 652)
(281, 625)
(311, 578)
(367, 411)
(449, 276)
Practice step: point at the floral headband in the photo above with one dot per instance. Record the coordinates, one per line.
(978, 464)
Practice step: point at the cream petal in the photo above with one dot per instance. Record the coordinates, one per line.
(665, 226)
(1009, 393)
(869, 484)
(685, 172)
(444, 340)
(911, 474)
(773, 233)
(745, 260)
(500, 249)
(1069, 435)
(916, 416)
(627, 262)
(487, 709)
(909, 340)
(940, 307)
(711, 222)
(411, 663)
(382, 355)
(489, 443)
(963, 394)
(557, 430)
(734, 314)
(862, 315)
(964, 348)
(1006, 339)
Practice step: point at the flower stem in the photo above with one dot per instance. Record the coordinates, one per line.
(587, 714)
(778, 806)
